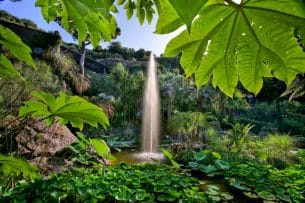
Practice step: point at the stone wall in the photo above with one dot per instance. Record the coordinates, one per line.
(33, 37)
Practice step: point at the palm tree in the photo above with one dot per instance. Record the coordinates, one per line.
(296, 89)
(189, 124)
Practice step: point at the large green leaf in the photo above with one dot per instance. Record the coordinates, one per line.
(66, 108)
(199, 156)
(10, 166)
(6, 67)
(87, 17)
(168, 20)
(144, 9)
(102, 149)
(222, 164)
(11, 42)
(243, 43)
(170, 156)
(187, 9)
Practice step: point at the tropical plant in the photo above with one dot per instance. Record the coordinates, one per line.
(128, 89)
(144, 9)
(217, 41)
(85, 17)
(262, 181)
(121, 183)
(170, 157)
(14, 169)
(189, 124)
(14, 91)
(276, 149)
(301, 156)
(10, 42)
(212, 26)
(179, 93)
(208, 162)
(65, 109)
(238, 136)
(216, 195)
(89, 21)
(217, 141)
(90, 151)
(296, 89)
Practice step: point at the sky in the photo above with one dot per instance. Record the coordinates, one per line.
(132, 34)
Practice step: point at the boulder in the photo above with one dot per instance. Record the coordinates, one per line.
(49, 165)
(41, 140)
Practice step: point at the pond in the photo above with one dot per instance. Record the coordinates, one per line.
(136, 157)
(214, 186)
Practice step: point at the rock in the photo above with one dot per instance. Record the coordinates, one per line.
(41, 140)
(111, 61)
(51, 164)
(9, 121)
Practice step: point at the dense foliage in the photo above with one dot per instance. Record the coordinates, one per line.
(263, 181)
(138, 183)
(240, 141)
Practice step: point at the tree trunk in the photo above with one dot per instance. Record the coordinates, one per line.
(82, 59)
(82, 65)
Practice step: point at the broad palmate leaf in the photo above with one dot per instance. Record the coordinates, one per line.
(243, 42)
(187, 9)
(102, 149)
(144, 9)
(65, 108)
(12, 43)
(11, 166)
(86, 17)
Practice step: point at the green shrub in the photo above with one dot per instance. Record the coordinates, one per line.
(258, 125)
(301, 156)
(276, 149)
(65, 67)
(294, 126)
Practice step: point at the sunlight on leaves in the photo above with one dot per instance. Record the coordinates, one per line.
(90, 17)
(246, 42)
(66, 109)
(13, 44)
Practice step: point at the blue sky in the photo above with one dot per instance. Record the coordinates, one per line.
(133, 35)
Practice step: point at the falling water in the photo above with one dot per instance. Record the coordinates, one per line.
(151, 110)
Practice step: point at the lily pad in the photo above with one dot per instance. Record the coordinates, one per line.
(199, 156)
(222, 164)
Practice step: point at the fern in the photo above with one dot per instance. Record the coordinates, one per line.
(65, 108)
